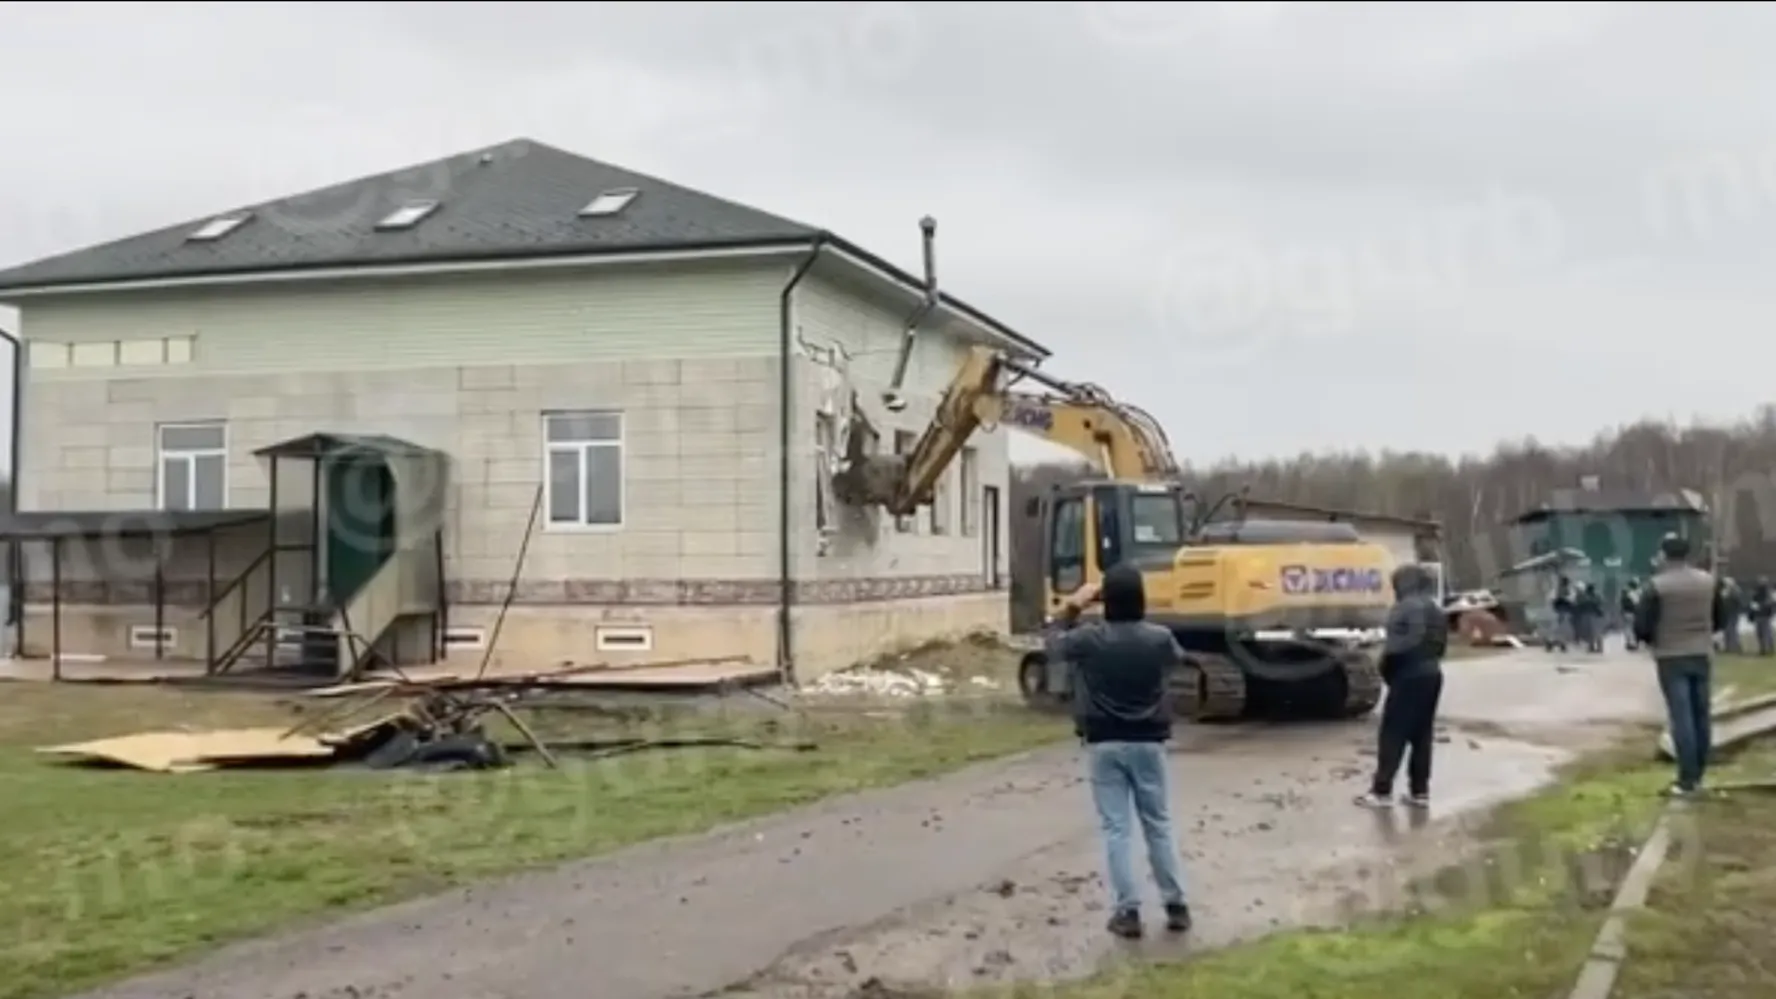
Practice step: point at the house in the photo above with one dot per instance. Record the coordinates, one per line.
(1617, 531)
(340, 413)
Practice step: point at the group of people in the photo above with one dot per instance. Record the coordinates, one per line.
(1122, 714)
(1579, 611)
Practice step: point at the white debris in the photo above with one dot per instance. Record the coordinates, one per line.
(879, 683)
(984, 682)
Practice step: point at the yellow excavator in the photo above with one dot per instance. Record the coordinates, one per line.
(1275, 617)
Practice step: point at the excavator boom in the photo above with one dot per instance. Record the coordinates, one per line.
(1123, 440)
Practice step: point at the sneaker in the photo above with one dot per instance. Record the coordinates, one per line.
(1126, 925)
(1178, 918)
(1373, 800)
(1418, 801)
(1679, 791)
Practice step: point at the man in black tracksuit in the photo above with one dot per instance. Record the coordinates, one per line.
(1412, 666)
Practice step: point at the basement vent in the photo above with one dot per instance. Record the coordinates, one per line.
(408, 215)
(610, 202)
(465, 638)
(636, 638)
(143, 636)
(218, 227)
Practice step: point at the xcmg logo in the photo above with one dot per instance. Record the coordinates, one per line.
(1300, 580)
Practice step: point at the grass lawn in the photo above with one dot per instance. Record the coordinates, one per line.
(1707, 928)
(107, 872)
(1749, 676)
(1481, 934)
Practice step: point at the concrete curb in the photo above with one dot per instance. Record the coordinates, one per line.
(1745, 707)
(1598, 977)
(1729, 713)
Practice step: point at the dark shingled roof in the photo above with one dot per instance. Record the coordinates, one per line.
(1614, 501)
(518, 199)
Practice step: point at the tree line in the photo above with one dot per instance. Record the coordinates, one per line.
(1731, 465)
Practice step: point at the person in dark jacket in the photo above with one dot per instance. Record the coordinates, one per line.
(1733, 609)
(1763, 610)
(1680, 612)
(1563, 614)
(1588, 618)
(1412, 667)
(1630, 599)
(1121, 711)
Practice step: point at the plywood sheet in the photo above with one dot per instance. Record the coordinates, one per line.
(182, 752)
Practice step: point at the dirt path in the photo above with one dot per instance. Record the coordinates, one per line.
(986, 875)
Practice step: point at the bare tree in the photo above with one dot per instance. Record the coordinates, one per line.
(1733, 466)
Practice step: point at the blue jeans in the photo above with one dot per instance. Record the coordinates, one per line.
(1130, 777)
(1766, 638)
(1685, 682)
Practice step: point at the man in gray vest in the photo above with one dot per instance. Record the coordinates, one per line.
(1679, 611)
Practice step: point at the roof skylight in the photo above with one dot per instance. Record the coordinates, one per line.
(218, 227)
(408, 215)
(610, 202)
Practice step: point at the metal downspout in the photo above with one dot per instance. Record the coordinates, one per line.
(785, 461)
(15, 563)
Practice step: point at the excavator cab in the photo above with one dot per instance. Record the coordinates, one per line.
(1088, 527)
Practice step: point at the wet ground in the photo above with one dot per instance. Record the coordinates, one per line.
(987, 875)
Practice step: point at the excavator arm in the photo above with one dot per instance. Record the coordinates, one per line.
(1121, 439)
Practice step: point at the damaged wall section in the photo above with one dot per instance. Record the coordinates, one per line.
(938, 567)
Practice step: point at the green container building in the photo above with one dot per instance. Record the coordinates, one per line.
(1618, 531)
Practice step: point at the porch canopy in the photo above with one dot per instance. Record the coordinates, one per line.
(419, 477)
(58, 526)
(419, 473)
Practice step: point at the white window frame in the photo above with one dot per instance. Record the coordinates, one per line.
(161, 454)
(904, 442)
(968, 470)
(580, 448)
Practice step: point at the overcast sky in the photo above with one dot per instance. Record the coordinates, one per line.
(1278, 226)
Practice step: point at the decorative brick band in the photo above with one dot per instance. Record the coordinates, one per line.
(581, 592)
(712, 592)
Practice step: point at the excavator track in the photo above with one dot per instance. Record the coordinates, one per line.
(1362, 682)
(1208, 688)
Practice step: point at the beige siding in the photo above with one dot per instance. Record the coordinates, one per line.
(511, 318)
(829, 312)
(698, 438)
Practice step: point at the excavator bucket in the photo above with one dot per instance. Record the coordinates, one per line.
(864, 479)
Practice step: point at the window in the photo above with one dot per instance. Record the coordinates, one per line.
(941, 503)
(623, 638)
(465, 639)
(144, 636)
(1066, 547)
(610, 202)
(583, 468)
(826, 434)
(95, 355)
(903, 444)
(48, 355)
(193, 466)
(135, 353)
(408, 215)
(971, 492)
(216, 228)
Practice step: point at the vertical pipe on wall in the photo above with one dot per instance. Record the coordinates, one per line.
(785, 461)
(15, 558)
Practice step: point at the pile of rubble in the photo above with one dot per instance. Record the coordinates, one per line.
(870, 682)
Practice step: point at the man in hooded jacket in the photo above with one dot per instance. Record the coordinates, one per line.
(1120, 710)
(1412, 667)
